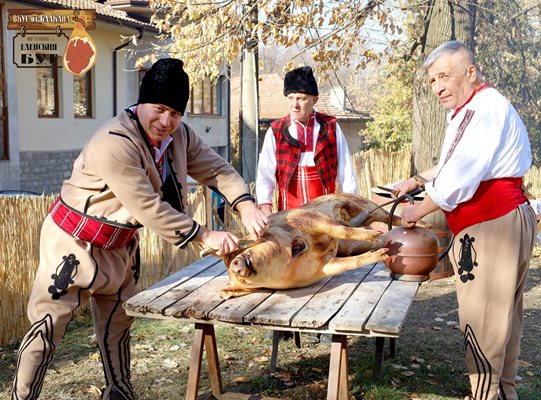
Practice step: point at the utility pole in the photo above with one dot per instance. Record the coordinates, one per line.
(249, 115)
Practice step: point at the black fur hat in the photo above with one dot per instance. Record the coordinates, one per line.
(166, 83)
(300, 80)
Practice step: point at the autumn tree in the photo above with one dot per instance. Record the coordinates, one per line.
(209, 34)
(508, 48)
(506, 41)
(337, 35)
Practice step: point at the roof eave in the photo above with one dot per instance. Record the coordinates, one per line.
(106, 18)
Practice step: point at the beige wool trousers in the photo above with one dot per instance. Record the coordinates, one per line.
(70, 273)
(491, 262)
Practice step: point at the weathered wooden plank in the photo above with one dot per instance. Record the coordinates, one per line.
(330, 298)
(174, 294)
(355, 312)
(189, 270)
(201, 301)
(234, 309)
(279, 308)
(137, 303)
(393, 307)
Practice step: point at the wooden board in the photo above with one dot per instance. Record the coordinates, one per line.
(138, 303)
(353, 316)
(329, 299)
(176, 293)
(234, 309)
(190, 270)
(279, 308)
(201, 301)
(392, 309)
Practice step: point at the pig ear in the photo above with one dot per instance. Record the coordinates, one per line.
(298, 246)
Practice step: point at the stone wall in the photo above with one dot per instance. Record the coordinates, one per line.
(44, 172)
(9, 175)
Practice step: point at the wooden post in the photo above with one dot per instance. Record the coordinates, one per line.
(338, 388)
(204, 336)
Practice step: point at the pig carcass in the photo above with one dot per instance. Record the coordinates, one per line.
(301, 246)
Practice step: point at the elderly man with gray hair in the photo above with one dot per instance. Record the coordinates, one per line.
(478, 185)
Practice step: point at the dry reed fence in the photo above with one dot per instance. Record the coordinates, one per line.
(20, 224)
(21, 218)
(379, 167)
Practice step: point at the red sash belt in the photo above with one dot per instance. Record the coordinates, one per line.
(494, 198)
(90, 230)
(305, 185)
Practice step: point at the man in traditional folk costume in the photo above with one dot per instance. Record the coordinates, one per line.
(304, 153)
(478, 185)
(131, 173)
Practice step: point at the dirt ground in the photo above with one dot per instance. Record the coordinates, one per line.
(428, 365)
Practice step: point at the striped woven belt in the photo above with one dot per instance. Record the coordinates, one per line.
(90, 230)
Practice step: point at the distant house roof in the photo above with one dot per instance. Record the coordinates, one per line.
(273, 104)
(341, 108)
(103, 11)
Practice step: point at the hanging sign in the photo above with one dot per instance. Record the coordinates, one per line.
(38, 50)
(35, 50)
(29, 19)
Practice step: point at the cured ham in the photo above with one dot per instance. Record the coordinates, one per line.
(80, 53)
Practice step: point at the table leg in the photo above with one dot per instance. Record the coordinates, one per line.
(338, 369)
(274, 353)
(204, 337)
(378, 360)
(392, 347)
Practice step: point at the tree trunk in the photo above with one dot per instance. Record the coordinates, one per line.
(444, 20)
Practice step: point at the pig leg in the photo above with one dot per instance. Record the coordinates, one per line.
(337, 265)
(229, 291)
(318, 223)
(354, 247)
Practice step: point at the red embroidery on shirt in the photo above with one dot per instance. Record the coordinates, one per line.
(305, 135)
(461, 129)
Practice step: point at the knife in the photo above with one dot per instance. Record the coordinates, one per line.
(242, 245)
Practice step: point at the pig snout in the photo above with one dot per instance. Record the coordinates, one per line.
(242, 265)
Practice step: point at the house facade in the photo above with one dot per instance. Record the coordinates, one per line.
(48, 114)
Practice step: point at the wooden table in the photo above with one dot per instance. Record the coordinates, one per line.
(364, 302)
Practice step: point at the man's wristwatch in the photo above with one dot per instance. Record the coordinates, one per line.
(420, 181)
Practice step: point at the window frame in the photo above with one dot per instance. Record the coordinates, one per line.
(4, 114)
(90, 99)
(215, 97)
(56, 91)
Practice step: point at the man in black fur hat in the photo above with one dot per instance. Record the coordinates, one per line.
(131, 173)
(305, 153)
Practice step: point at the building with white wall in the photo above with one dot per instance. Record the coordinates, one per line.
(47, 114)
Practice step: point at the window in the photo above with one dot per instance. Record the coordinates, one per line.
(47, 84)
(205, 97)
(82, 95)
